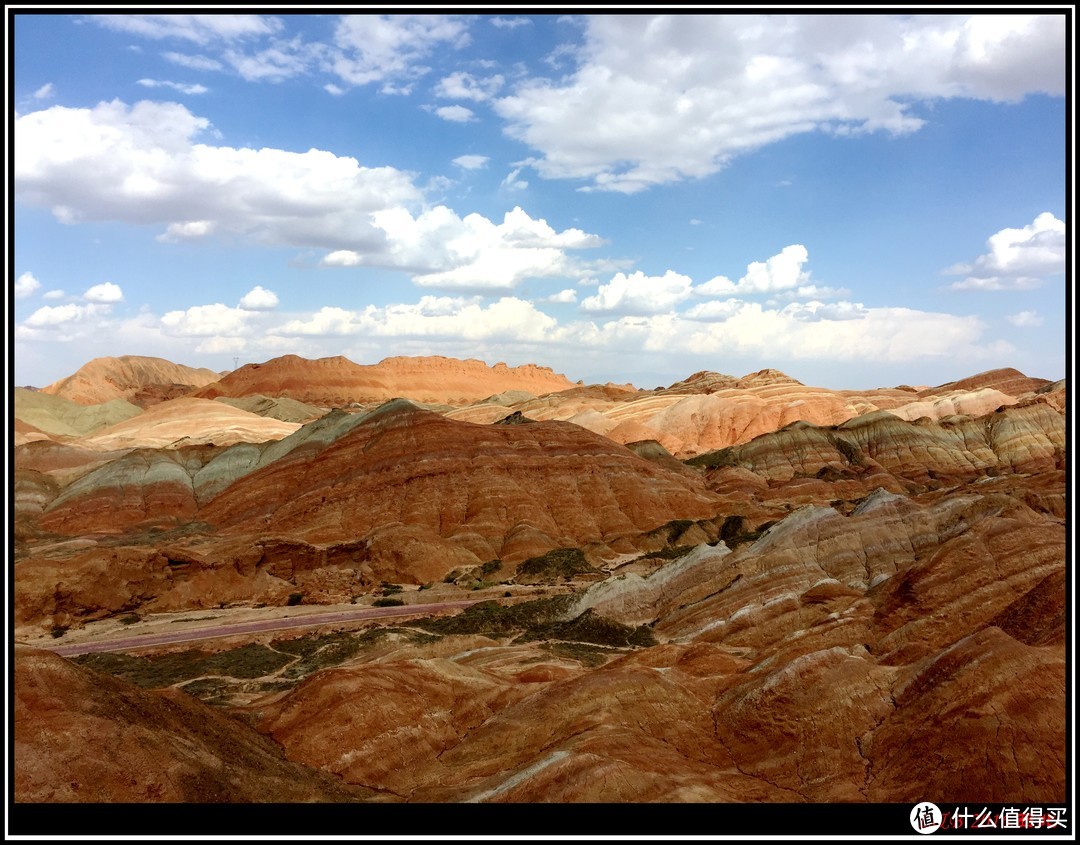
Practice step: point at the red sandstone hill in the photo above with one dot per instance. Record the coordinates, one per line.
(81, 735)
(1006, 380)
(455, 493)
(337, 381)
(141, 380)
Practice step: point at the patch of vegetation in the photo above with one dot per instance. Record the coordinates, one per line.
(209, 690)
(587, 655)
(427, 586)
(558, 563)
(496, 620)
(491, 566)
(385, 602)
(390, 589)
(736, 531)
(322, 652)
(163, 670)
(58, 631)
(130, 619)
(590, 627)
(851, 453)
(728, 457)
(294, 599)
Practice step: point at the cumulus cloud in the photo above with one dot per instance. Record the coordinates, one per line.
(1018, 259)
(881, 334)
(464, 86)
(182, 87)
(188, 231)
(781, 272)
(814, 311)
(57, 316)
(259, 299)
(639, 294)
(446, 251)
(201, 29)
(377, 48)
(142, 164)
(471, 162)
(563, 297)
(105, 292)
(660, 99)
(455, 114)
(331, 88)
(1025, 319)
(206, 321)
(53, 294)
(507, 318)
(26, 285)
(715, 311)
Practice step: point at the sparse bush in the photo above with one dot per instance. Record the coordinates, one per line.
(427, 586)
(58, 631)
(130, 619)
(390, 589)
(384, 602)
(294, 599)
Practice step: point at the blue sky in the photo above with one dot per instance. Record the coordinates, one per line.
(859, 201)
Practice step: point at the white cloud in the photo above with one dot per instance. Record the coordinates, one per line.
(471, 162)
(45, 92)
(202, 29)
(259, 299)
(694, 221)
(141, 164)
(446, 251)
(455, 114)
(639, 294)
(193, 62)
(781, 272)
(53, 294)
(282, 60)
(1018, 258)
(331, 88)
(660, 99)
(509, 23)
(714, 311)
(55, 316)
(564, 296)
(814, 311)
(221, 345)
(105, 292)
(183, 88)
(507, 318)
(376, 48)
(206, 321)
(881, 334)
(511, 182)
(464, 86)
(1025, 319)
(189, 231)
(26, 285)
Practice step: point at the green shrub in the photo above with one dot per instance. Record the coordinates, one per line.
(390, 589)
(384, 602)
(130, 619)
(58, 631)
(295, 599)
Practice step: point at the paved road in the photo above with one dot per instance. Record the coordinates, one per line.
(307, 620)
